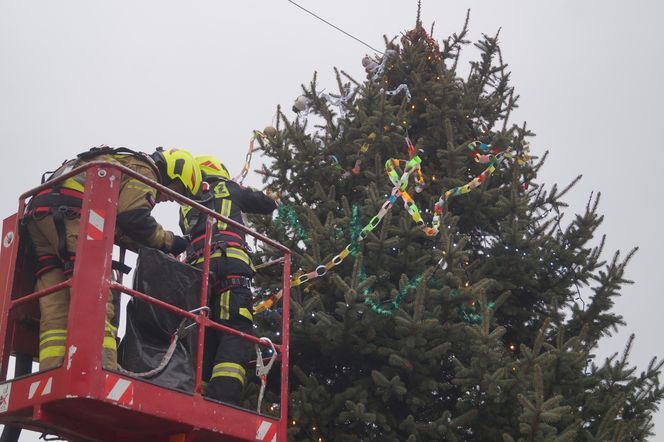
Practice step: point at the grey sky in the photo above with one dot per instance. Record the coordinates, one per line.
(201, 75)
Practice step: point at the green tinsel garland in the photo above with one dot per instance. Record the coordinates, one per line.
(287, 216)
(355, 229)
(471, 315)
(396, 302)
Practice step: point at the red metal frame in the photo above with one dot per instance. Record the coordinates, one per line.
(82, 401)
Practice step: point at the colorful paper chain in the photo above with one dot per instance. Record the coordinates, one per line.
(400, 184)
(247, 159)
(322, 269)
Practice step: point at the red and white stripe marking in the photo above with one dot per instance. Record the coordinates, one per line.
(267, 431)
(5, 392)
(41, 387)
(119, 390)
(96, 225)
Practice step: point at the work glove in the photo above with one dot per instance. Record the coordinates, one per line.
(180, 244)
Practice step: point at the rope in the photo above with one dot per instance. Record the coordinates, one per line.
(164, 362)
(335, 27)
(179, 333)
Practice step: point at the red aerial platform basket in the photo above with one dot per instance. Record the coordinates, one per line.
(81, 401)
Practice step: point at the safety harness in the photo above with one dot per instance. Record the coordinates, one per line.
(64, 203)
(221, 244)
(233, 281)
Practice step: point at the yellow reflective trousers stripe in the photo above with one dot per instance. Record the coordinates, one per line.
(110, 331)
(229, 369)
(51, 352)
(52, 335)
(110, 328)
(109, 342)
(51, 339)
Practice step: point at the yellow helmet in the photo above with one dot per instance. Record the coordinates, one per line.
(212, 167)
(179, 165)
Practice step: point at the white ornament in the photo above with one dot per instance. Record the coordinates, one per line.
(301, 103)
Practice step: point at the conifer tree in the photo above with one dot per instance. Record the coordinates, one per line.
(469, 329)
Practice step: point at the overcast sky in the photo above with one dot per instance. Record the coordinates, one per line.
(202, 75)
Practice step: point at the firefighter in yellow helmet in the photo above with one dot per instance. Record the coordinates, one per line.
(226, 356)
(52, 220)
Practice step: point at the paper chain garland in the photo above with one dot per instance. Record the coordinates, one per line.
(400, 184)
(247, 160)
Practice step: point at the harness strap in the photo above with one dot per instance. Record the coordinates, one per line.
(195, 249)
(46, 263)
(47, 201)
(233, 281)
(50, 262)
(106, 150)
(218, 236)
(121, 267)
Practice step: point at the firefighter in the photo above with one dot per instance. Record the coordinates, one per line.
(230, 302)
(52, 219)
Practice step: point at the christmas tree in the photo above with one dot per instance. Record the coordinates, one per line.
(437, 293)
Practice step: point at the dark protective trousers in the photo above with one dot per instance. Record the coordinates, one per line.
(54, 308)
(227, 356)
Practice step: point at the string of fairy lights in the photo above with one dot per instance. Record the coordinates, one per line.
(399, 173)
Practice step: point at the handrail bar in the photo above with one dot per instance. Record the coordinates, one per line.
(176, 196)
(41, 293)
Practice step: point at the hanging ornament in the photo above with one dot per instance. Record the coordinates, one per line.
(301, 104)
(369, 65)
(270, 131)
(374, 69)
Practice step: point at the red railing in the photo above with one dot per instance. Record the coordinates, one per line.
(91, 282)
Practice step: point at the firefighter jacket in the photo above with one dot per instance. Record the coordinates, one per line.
(229, 199)
(135, 225)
